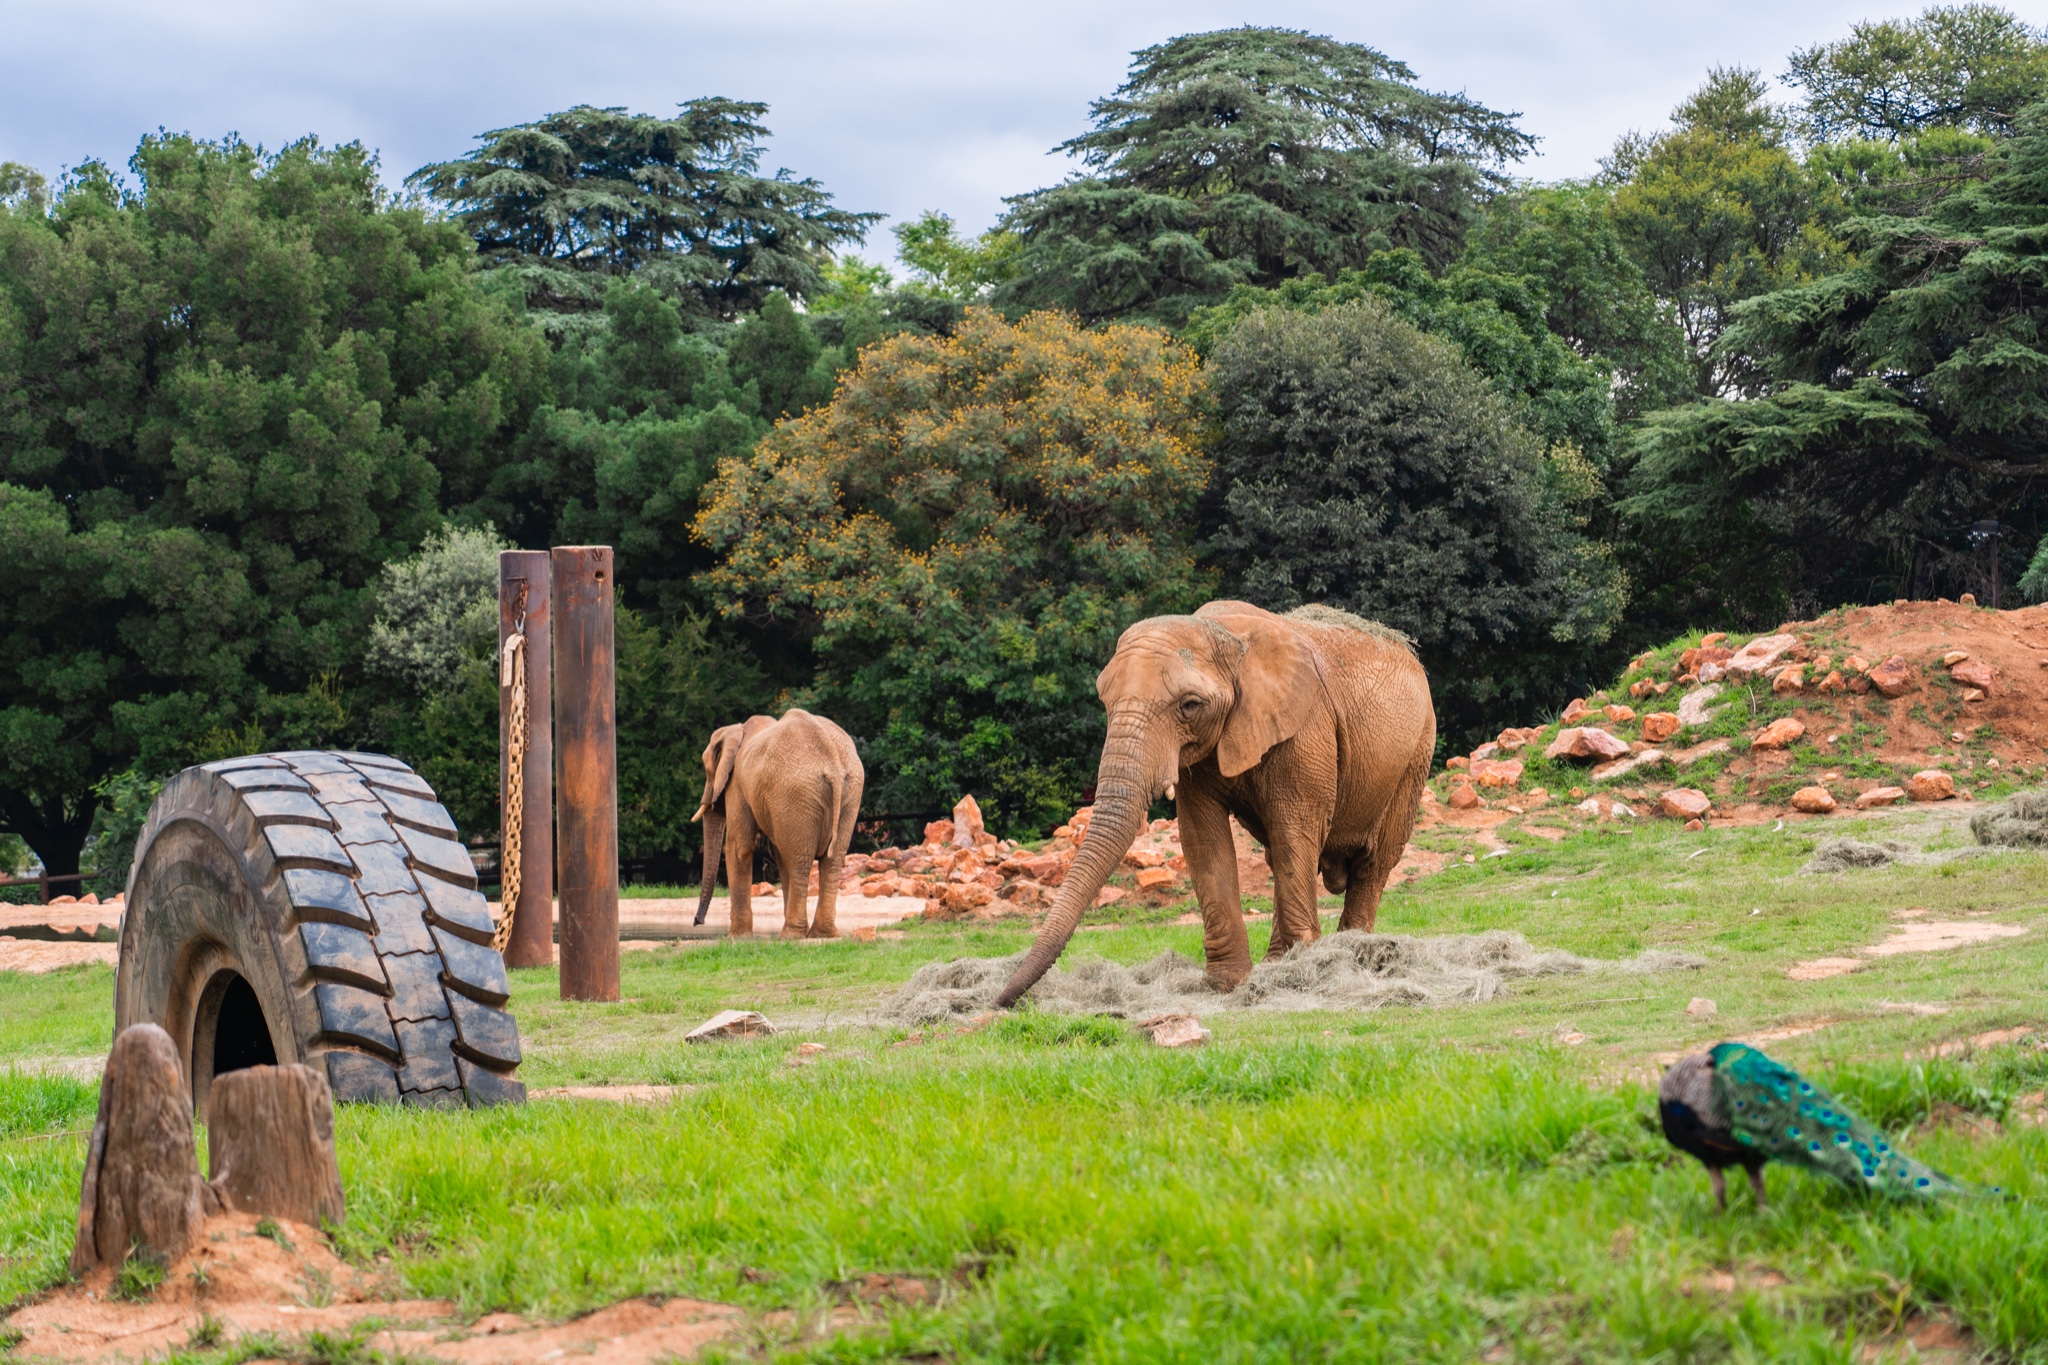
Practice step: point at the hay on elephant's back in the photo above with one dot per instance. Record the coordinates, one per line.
(1342, 971)
(1317, 614)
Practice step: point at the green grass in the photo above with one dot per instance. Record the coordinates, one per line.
(1408, 1184)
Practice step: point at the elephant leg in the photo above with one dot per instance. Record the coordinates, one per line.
(1371, 869)
(740, 836)
(1212, 865)
(825, 924)
(796, 891)
(1295, 854)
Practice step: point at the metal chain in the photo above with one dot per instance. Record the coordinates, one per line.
(512, 674)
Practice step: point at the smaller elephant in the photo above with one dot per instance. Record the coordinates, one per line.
(795, 782)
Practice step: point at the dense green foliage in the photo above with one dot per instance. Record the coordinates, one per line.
(1364, 464)
(227, 398)
(1251, 156)
(1772, 358)
(960, 535)
(1908, 400)
(588, 194)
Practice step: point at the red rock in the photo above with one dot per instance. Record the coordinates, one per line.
(1789, 680)
(1155, 879)
(1587, 742)
(1695, 825)
(1659, 726)
(939, 833)
(967, 827)
(1110, 895)
(1685, 803)
(1954, 657)
(1930, 784)
(1144, 857)
(1576, 710)
(1973, 694)
(1490, 749)
(1813, 800)
(1512, 739)
(1498, 772)
(1463, 797)
(962, 899)
(1639, 688)
(1880, 796)
(1458, 762)
(1779, 734)
(1973, 673)
(1968, 599)
(1856, 663)
(1894, 677)
(1831, 684)
(1714, 639)
(1620, 715)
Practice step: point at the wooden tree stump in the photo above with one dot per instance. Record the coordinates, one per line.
(270, 1144)
(142, 1190)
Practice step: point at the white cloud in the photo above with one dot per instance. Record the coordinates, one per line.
(897, 107)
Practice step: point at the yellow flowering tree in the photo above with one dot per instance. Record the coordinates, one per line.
(960, 535)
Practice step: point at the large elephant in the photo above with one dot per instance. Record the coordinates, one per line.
(1314, 729)
(795, 782)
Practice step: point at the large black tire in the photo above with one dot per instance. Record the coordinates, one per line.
(316, 907)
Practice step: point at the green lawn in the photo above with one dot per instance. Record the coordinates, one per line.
(1451, 1184)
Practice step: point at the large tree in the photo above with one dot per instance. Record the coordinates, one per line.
(1252, 156)
(960, 535)
(1908, 402)
(577, 198)
(227, 396)
(1363, 463)
(1969, 66)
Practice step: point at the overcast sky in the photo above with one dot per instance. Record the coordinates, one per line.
(895, 107)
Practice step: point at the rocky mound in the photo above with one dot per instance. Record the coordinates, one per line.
(1861, 708)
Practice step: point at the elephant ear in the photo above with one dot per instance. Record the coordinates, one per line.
(719, 756)
(1278, 688)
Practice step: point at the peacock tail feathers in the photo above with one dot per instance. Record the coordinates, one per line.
(1787, 1118)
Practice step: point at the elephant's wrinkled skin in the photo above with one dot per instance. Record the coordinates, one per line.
(795, 782)
(1314, 729)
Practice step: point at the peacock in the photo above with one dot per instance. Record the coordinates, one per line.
(1733, 1106)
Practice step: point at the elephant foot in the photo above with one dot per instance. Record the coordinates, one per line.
(822, 933)
(788, 932)
(1225, 977)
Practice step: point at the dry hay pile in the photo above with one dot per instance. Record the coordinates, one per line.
(2019, 821)
(1342, 971)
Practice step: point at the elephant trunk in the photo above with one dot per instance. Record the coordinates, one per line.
(714, 854)
(1125, 784)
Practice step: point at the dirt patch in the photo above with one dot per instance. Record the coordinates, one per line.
(36, 957)
(615, 1094)
(285, 1283)
(1343, 971)
(1916, 936)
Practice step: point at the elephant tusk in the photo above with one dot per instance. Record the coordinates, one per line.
(1169, 791)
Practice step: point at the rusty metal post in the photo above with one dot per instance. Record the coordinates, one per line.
(586, 772)
(523, 577)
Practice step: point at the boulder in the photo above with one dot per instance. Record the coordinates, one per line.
(1659, 726)
(1760, 654)
(1156, 879)
(1144, 857)
(1497, 772)
(1954, 657)
(1699, 1007)
(1458, 763)
(1586, 743)
(1973, 673)
(967, 827)
(1620, 715)
(1831, 684)
(1576, 710)
(1512, 739)
(1622, 767)
(1685, 803)
(730, 1024)
(142, 1194)
(1490, 749)
(1692, 707)
(1463, 797)
(938, 833)
(1894, 677)
(1789, 680)
(1110, 895)
(1779, 734)
(1880, 796)
(1813, 800)
(964, 898)
(1856, 663)
(1695, 826)
(1713, 638)
(1698, 657)
(1930, 784)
